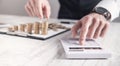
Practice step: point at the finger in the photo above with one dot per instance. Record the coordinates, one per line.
(47, 11)
(93, 28)
(104, 30)
(32, 5)
(36, 8)
(40, 9)
(75, 28)
(84, 29)
(31, 8)
(99, 30)
(28, 10)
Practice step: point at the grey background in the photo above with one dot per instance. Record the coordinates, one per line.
(16, 7)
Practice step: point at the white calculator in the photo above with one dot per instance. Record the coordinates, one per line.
(89, 50)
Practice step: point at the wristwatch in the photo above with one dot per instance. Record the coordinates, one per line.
(102, 11)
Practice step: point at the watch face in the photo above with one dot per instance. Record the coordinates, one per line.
(100, 10)
(103, 12)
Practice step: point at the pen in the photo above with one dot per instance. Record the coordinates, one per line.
(67, 22)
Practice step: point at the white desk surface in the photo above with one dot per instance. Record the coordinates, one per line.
(17, 51)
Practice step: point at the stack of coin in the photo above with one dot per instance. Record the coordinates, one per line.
(29, 28)
(40, 26)
(36, 28)
(10, 29)
(22, 27)
(15, 28)
(44, 30)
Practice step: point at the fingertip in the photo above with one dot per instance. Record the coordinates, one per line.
(46, 11)
(73, 33)
(47, 16)
(102, 36)
(40, 16)
(89, 36)
(95, 37)
(81, 41)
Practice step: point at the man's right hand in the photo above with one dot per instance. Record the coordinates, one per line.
(39, 8)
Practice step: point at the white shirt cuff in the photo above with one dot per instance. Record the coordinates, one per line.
(111, 6)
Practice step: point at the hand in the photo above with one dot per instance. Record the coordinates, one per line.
(91, 26)
(39, 8)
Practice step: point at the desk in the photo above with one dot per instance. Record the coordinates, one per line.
(18, 51)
